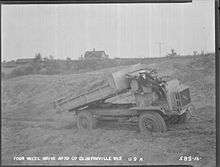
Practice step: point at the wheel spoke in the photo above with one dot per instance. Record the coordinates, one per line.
(149, 124)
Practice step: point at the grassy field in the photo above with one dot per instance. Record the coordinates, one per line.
(31, 127)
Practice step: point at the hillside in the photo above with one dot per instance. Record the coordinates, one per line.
(45, 66)
(31, 127)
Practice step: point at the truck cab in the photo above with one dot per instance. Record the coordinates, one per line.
(170, 95)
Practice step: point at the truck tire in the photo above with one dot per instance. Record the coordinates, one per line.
(177, 119)
(85, 121)
(182, 118)
(186, 116)
(174, 119)
(151, 121)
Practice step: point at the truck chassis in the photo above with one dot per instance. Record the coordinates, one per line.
(148, 119)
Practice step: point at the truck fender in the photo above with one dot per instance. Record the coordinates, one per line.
(149, 108)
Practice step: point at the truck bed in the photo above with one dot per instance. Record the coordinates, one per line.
(116, 84)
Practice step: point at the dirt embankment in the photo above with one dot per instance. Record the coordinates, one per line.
(31, 127)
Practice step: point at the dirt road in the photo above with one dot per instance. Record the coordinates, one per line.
(53, 137)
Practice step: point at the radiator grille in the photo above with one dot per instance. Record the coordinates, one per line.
(184, 96)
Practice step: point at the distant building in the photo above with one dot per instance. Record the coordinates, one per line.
(24, 61)
(95, 55)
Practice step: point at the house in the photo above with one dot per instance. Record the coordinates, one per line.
(95, 55)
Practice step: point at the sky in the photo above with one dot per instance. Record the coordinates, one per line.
(121, 30)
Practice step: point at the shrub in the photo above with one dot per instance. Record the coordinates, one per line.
(23, 70)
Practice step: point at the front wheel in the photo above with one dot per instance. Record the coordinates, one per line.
(151, 121)
(185, 117)
(85, 121)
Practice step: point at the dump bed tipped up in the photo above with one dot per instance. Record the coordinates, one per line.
(113, 84)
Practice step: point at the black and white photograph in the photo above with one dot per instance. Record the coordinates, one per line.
(108, 84)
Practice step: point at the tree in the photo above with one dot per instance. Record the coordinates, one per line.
(45, 59)
(172, 54)
(68, 63)
(51, 57)
(36, 64)
(202, 53)
(81, 57)
(38, 57)
(195, 53)
(68, 59)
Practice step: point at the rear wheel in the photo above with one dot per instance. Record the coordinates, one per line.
(85, 121)
(151, 122)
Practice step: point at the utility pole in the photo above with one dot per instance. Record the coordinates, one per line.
(160, 46)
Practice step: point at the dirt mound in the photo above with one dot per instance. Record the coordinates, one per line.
(39, 91)
(44, 89)
(30, 126)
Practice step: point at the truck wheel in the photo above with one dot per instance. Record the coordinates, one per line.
(182, 118)
(85, 121)
(174, 119)
(151, 122)
(187, 115)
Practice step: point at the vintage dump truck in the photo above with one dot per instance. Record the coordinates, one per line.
(157, 100)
